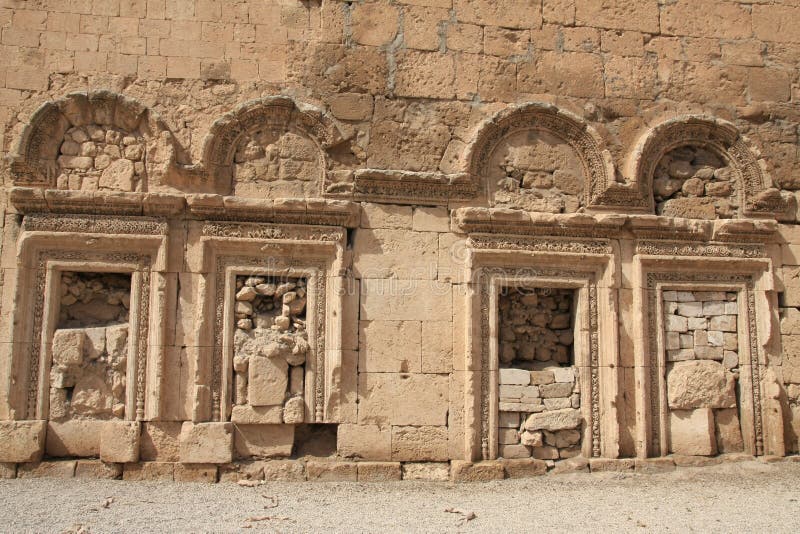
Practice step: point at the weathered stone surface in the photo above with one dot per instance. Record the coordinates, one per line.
(463, 471)
(691, 432)
(119, 441)
(8, 470)
(369, 442)
(149, 471)
(284, 470)
(195, 473)
(263, 441)
(267, 381)
(700, 384)
(555, 420)
(97, 469)
(378, 471)
(22, 441)
(74, 438)
(402, 399)
(160, 441)
(524, 468)
(419, 443)
(571, 465)
(432, 471)
(728, 431)
(611, 464)
(654, 465)
(47, 469)
(206, 443)
(331, 471)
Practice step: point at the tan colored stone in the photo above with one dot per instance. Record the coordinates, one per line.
(351, 106)
(524, 468)
(571, 465)
(388, 253)
(368, 442)
(654, 465)
(8, 470)
(284, 470)
(611, 464)
(206, 443)
(419, 443)
(431, 471)
(700, 384)
(414, 399)
(149, 471)
(47, 469)
(437, 347)
(374, 24)
(257, 415)
(119, 441)
(195, 473)
(390, 346)
(263, 441)
(22, 441)
(331, 471)
(553, 421)
(267, 381)
(378, 471)
(75, 438)
(463, 471)
(691, 432)
(160, 441)
(97, 469)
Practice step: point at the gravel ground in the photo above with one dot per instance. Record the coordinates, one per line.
(748, 496)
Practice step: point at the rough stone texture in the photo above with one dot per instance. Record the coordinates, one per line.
(461, 471)
(47, 469)
(263, 441)
(22, 441)
(378, 471)
(283, 470)
(691, 432)
(330, 471)
(431, 471)
(120, 441)
(97, 469)
(206, 443)
(149, 471)
(700, 384)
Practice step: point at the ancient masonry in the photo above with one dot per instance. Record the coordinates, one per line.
(420, 239)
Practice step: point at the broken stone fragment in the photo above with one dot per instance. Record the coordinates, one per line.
(68, 346)
(244, 308)
(267, 381)
(554, 420)
(246, 294)
(267, 290)
(244, 324)
(700, 384)
(531, 439)
(294, 411)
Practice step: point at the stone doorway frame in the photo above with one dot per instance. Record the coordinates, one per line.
(51, 244)
(596, 354)
(228, 249)
(751, 280)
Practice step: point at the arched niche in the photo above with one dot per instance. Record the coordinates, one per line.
(538, 157)
(96, 140)
(270, 147)
(701, 167)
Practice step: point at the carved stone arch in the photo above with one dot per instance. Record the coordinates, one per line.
(542, 123)
(266, 117)
(755, 195)
(35, 160)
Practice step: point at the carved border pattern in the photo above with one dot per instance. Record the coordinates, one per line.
(653, 324)
(676, 248)
(538, 244)
(93, 224)
(488, 274)
(317, 342)
(267, 231)
(36, 355)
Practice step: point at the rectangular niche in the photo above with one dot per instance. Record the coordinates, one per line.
(538, 380)
(701, 340)
(90, 349)
(270, 349)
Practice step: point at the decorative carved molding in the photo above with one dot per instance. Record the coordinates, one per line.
(527, 276)
(518, 222)
(716, 250)
(600, 188)
(277, 113)
(759, 198)
(264, 231)
(656, 370)
(31, 200)
(293, 211)
(539, 244)
(37, 353)
(426, 188)
(93, 224)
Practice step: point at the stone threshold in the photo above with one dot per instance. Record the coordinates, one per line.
(258, 472)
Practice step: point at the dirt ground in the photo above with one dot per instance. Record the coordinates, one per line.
(748, 496)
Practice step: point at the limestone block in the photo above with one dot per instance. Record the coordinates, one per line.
(514, 451)
(351, 106)
(611, 464)
(370, 442)
(463, 471)
(294, 411)
(75, 438)
(507, 436)
(283, 470)
(692, 432)
(697, 323)
(700, 384)
(542, 377)
(430, 219)
(508, 420)
(559, 389)
(257, 415)
(263, 441)
(419, 443)
(680, 355)
(48, 469)
(532, 439)
(405, 300)
(676, 323)
(97, 469)
(728, 431)
(160, 441)
(524, 468)
(691, 309)
(378, 471)
(437, 346)
(402, 399)
(22, 441)
(555, 420)
(390, 346)
(653, 466)
(195, 473)
(714, 307)
(431, 471)
(329, 471)
(119, 441)
(545, 452)
(385, 216)
(392, 253)
(715, 338)
(563, 374)
(515, 377)
(683, 460)
(267, 381)
(708, 353)
(162, 471)
(206, 443)
(726, 323)
(571, 465)
(558, 403)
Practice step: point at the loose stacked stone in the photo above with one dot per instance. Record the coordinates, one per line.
(96, 157)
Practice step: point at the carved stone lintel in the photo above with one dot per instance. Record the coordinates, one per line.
(426, 188)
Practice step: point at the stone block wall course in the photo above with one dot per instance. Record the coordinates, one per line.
(402, 150)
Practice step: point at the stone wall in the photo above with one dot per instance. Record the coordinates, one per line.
(399, 160)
